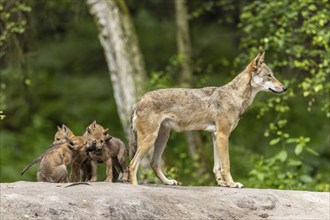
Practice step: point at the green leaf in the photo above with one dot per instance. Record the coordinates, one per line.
(274, 141)
(294, 163)
(313, 152)
(282, 156)
(298, 149)
(306, 178)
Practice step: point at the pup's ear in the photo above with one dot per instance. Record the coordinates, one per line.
(65, 128)
(70, 144)
(256, 62)
(88, 130)
(105, 131)
(108, 138)
(94, 124)
(59, 128)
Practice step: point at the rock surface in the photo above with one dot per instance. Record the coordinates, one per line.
(101, 200)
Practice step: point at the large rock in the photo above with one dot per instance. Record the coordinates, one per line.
(101, 200)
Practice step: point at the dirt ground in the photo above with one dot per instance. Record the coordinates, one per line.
(102, 200)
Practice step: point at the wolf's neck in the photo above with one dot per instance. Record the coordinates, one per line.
(241, 87)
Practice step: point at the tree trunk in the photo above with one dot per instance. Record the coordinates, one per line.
(186, 74)
(183, 43)
(123, 56)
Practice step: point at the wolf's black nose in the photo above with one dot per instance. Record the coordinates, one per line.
(284, 88)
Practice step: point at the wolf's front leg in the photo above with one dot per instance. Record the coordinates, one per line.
(217, 162)
(109, 170)
(74, 177)
(93, 171)
(222, 163)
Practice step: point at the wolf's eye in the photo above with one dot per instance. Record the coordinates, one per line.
(102, 141)
(58, 138)
(269, 75)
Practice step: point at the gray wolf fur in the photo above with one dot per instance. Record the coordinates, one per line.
(213, 109)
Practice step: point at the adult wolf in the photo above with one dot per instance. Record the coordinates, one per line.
(214, 109)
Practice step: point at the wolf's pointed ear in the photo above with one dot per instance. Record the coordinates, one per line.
(64, 128)
(59, 128)
(88, 130)
(262, 57)
(257, 61)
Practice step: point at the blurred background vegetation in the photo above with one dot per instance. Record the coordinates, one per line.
(53, 71)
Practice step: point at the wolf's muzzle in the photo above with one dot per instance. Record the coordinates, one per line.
(283, 89)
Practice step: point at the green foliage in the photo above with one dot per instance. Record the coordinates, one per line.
(56, 73)
(13, 16)
(295, 37)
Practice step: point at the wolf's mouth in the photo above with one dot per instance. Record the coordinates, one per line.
(274, 91)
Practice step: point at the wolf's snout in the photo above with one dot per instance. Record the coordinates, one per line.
(279, 90)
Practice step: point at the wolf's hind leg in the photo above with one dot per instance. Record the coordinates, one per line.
(160, 145)
(145, 143)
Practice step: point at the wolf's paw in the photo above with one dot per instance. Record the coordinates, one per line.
(171, 182)
(239, 185)
(231, 185)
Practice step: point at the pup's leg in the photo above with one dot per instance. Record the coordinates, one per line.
(223, 154)
(75, 172)
(109, 174)
(145, 142)
(123, 175)
(60, 174)
(86, 171)
(93, 171)
(160, 145)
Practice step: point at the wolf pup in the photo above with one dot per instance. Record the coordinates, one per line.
(53, 165)
(81, 165)
(213, 109)
(61, 136)
(110, 150)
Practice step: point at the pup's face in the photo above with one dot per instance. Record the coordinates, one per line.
(62, 134)
(77, 143)
(97, 140)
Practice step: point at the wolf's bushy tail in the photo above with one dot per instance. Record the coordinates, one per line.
(133, 136)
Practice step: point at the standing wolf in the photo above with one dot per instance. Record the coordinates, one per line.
(214, 109)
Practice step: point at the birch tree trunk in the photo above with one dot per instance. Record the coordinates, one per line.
(123, 56)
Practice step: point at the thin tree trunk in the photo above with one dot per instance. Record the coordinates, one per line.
(183, 42)
(186, 74)
(123, 56)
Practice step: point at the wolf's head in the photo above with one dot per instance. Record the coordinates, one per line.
(262, 77)
(97, 140)
(62, 134)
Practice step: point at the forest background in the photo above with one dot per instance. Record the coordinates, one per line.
(53, 71)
